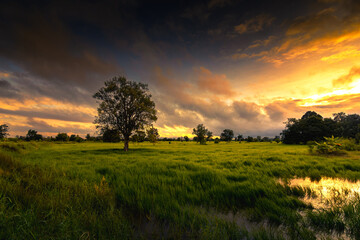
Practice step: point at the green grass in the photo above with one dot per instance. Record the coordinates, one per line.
(173, 191)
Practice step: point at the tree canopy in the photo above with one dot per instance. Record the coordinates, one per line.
(313, 127)
(4, 131)
(201, 133)
(152, 134)
(125, 106)
(33, 135)
(227, 135)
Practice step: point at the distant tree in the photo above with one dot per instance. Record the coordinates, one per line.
(277, 139)
(310, 127)
(111, 135)
(152, 134)
(201, 133)
(186, 138)
(75, 138)
(4, 129)
(62, 137)
(88, 137)
(250, 139)
(209, 135)
(350, 126)
(217, 140)
(265, 139)
(239, 138)
(227, 135)
(125, 106)
(32, 135)
(258, 138)
(339, 117)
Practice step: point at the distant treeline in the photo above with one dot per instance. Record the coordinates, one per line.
(313, 127)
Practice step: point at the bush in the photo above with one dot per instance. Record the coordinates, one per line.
(331, 145)
(349, 145)
(216, 140)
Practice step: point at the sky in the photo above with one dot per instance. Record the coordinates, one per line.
(244, 65)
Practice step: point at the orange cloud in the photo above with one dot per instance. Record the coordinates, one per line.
(348, 78)
(214, 83)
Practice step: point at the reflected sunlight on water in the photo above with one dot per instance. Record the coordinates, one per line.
(327, 192)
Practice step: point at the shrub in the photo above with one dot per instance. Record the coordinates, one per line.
(331, 145)
(349, 145)
(217, 140)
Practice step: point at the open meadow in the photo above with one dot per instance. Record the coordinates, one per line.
(178, 190)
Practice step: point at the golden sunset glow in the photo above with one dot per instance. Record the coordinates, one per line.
(247, 73)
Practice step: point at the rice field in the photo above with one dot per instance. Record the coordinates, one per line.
(181, 190)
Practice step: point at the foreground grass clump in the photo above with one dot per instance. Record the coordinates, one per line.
(40, 203)
(182, 190)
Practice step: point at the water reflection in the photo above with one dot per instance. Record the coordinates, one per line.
(328, 192)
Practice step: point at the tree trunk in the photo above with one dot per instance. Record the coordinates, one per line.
(126, 144)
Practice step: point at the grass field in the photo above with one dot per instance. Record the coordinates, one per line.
(172, 191)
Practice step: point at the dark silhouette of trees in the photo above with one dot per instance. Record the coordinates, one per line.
(250, 139)
(201, 133)
(124, 106)
(239, 138)
(313, 127)
(32, 135)
(186, 138)
(75, 138)
(227, 135)
(4, 131)
(209, 135)
(110, 135)
(63, 137)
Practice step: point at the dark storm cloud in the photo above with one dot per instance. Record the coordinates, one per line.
(7, 90)
(246, 110)
(312, 32)
(65, 50)
(255, 24)
(56, 114)
(44, 127)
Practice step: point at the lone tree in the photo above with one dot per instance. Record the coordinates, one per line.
(152, 135)
(4, 131)
(62, 137)
(227, 135)
(33, 135)
(125, 106)
(201, 133)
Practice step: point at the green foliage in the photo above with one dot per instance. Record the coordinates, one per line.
(75, 138)
(111, 135)
(152, 134)
(124, 106)
(227, 135)
(62, 137)
(139, 136)
(182, 190)
(4, 131)
(201, 133)
(313, 127)
(349, 144)
(32, 135)
(331, 145)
